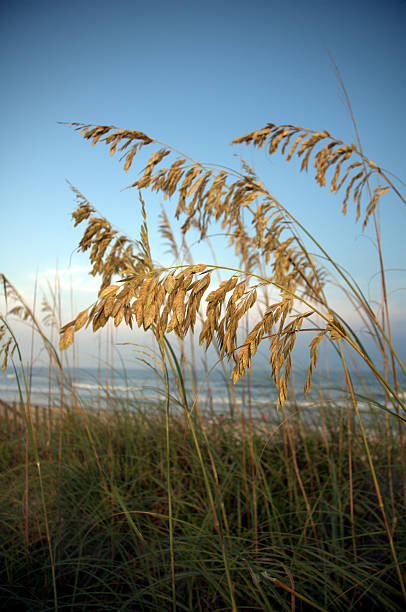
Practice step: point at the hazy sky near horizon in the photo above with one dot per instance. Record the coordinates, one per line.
(194, 75)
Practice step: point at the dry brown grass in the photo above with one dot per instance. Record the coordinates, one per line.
(269, 247)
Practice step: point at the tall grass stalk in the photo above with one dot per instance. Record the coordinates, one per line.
(178, 376)
(169, 484)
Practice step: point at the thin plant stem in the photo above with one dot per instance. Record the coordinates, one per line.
(168, 481)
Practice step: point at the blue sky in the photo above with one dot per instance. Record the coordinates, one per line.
(194, 75)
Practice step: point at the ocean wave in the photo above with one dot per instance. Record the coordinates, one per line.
(100, 387)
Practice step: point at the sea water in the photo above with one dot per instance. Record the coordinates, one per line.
(146, 387)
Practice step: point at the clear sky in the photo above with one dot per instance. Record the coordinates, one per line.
(194, 75)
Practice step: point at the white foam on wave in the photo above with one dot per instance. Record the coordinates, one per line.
(99, 387)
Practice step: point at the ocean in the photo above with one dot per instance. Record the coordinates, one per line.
(132, 387)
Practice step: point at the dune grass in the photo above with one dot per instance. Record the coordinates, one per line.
(155, 508)
(107, 510)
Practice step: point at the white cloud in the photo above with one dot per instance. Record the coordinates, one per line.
(75, 278)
